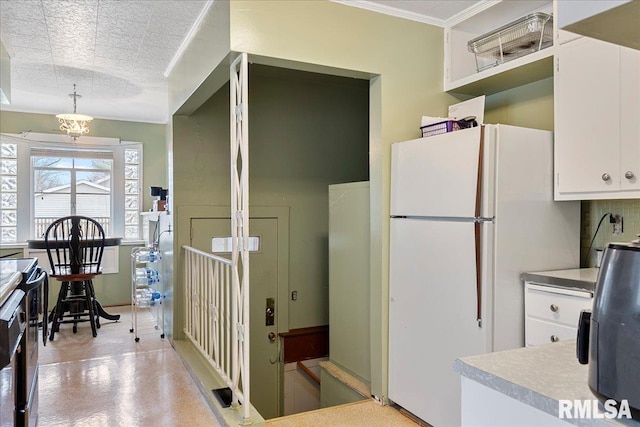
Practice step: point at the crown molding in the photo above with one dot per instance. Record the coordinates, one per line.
(392, 11)
(187, 40)
(471, 11)
(480, 6)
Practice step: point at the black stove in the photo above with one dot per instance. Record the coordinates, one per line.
(12, 322)
(22, 308)
(13, 272)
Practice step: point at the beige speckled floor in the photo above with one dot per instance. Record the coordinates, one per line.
(366, 413)
(111, 380)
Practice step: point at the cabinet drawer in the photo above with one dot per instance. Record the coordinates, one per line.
(557, 307)
(541, 332)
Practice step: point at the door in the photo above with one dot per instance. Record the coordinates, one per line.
(432, 315)
(263, 265)
(436, 176)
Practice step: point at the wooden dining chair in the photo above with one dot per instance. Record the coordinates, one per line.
(75, 245)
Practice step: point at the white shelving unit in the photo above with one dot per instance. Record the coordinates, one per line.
(461, 75)
(146, 286)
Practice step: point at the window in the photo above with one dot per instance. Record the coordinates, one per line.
(132, 186)
(8, 192)
(71, 183)
(54, 180)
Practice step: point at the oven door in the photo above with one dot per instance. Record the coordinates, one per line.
(11, 336)
(8, 393)
(28, 366)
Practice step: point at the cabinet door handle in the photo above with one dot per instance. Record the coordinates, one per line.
(554, 338)
(606, 177)
(553, 308)
(629, 175)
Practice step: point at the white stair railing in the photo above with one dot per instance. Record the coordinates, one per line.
(217, 289)
(239, 146)
(209, 304)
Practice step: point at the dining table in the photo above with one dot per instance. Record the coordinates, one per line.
(108, 241)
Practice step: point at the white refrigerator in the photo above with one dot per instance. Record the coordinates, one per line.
(470, 211)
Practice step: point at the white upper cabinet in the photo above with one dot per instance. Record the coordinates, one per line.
(615, 21)
(597, 133)
(630, 119)
(461, 74)
(563, 37)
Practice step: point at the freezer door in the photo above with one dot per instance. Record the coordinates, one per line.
(437, 176)
(433, 315)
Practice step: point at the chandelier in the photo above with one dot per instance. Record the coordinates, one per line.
(75, 125)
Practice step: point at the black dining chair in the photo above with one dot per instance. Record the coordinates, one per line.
(75, 245)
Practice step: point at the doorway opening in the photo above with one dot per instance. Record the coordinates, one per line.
(307, 131)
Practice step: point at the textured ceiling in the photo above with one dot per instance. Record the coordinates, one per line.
(117, 51)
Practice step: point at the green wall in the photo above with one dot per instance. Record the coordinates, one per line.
(306, 131)
(530, 106)
(111, 289)
(402, 60)
(315, 134)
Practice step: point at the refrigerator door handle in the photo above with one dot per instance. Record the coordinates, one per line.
(478, 207)
(479, 219)
(478, 239)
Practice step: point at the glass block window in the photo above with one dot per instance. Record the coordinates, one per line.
(132, 202)
(8, 192)
(41, 181)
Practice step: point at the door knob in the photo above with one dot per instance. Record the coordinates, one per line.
(606, 177)
(629, 175)
(272, 337)
(553, 308)
(554, 338)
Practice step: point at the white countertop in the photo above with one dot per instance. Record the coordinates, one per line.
(8, 282)
(10, 276)
(580, 278)
(538, 376)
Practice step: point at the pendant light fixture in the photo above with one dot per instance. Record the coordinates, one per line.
(75, 125)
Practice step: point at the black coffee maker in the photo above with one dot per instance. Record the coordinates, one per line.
(161, 198)
(609, 337)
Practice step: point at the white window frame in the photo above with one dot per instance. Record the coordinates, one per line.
(26, 229)
(73, 154)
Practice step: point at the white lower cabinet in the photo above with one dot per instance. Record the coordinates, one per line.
(552, 314)
(484, 406)
(541, 332)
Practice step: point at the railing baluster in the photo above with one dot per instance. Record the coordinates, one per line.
(209, 305)
(222, 318)
(215, 310)
(227, 321)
